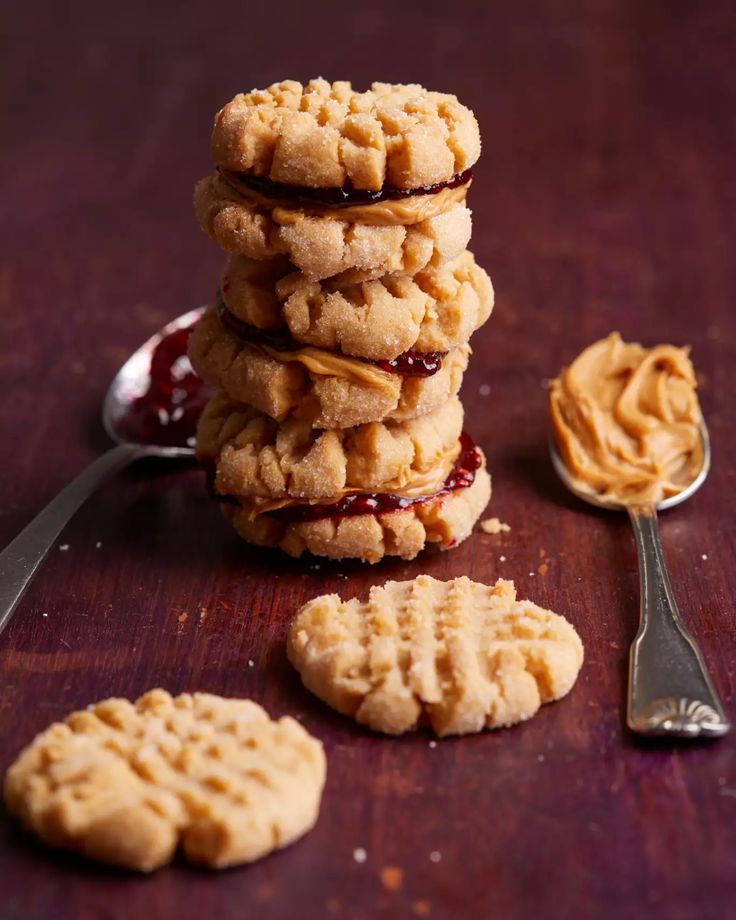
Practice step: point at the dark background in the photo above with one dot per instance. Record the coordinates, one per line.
(605, 199)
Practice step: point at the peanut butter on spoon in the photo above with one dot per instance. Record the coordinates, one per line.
(626, 421)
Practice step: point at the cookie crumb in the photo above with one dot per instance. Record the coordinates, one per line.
(64, 547)
(360, 855)
(543, 568)
(494, 526)
(183, 617)
(392, 878)
(435, 856)
(421, 908)
(484, 389)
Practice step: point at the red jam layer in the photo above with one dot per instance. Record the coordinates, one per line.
(461, 477)
(167, 413)
(339, 197)
(408, 364)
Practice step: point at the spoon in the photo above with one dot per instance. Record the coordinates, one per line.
(133, 382)
(671, 693)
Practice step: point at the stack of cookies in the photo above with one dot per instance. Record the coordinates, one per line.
(339, 338)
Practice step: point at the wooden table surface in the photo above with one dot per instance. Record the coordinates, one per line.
(605, 199)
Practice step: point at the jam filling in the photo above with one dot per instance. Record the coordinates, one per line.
(462, 476)
(167, 413)
(408, 364)
(342, 197)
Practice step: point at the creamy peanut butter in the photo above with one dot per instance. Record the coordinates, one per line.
(413, 484)
(388, 213)
(626, 421)
(332, 364)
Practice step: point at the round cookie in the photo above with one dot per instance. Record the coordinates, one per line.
(329, 135)
(457, 655)
(252, 455)
(325, 389)
(440, 522)
(434, 310)
(322, 246)
(127, 783)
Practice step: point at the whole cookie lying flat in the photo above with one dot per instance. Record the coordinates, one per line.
(359, 242)
(440, 521)
(127, 783)
(330, 135)
(434, 310)
(326, 389)
(458, 655)
(253, 455)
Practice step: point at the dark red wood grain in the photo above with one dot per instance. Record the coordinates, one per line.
(605, 199)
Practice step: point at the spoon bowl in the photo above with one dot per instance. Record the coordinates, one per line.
(132, 383)
(592, 498)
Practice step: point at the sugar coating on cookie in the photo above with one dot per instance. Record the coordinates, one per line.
(457, 655)
(128, 783)
(323, 247)
(325, 389)
(327, 135)
(252, 454)
(435, 310)
(439, 523)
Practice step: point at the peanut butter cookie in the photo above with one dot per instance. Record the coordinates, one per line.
(322, 244)
(329, 135)
(253, 455)
(326, 389)
(127, 783)
(434, 310)
(458, 655)
(441, 521)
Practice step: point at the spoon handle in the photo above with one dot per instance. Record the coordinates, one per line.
(670, 691)
(20, 558)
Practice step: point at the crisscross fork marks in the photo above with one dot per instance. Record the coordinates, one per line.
(458, 655)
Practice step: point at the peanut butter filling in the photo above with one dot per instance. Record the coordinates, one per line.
(411, 484)
(626, 421)
(389, 213)
(332, 364)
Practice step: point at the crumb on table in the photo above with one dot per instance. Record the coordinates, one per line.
(493, 525)
(392, 878)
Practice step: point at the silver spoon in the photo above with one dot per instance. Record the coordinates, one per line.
(671, 693)
(22, 557)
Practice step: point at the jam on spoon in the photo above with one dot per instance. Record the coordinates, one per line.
(408, 364)
(168, 411)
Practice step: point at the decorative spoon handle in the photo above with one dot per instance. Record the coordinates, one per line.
(20, 558)
(670, 691)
